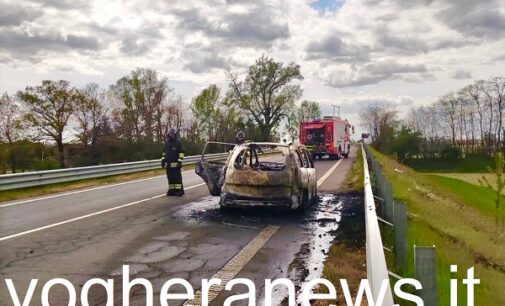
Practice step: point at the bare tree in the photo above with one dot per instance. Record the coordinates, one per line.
(90, 113)
(174, 112)
(489, 106)
(11, 126)
(475, 92)
(448, 106)
(381, 120)
(49, 107)
(497, 85)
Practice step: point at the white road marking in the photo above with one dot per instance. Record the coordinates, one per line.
(82, 190)
(235, 265)
(38, 229)
(323, 178)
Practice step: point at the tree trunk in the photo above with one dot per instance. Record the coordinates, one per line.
(61, 153)
(500, 122)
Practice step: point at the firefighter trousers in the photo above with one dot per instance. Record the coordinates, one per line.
(174, 177)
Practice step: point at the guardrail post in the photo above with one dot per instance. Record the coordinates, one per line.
(426, 273)
(400, 228)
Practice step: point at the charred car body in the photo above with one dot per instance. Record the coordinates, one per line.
(261, 174)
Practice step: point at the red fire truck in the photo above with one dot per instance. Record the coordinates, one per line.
(327, 137)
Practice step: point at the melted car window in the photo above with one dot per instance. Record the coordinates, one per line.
(257, 158)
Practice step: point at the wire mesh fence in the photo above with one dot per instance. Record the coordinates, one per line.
(395, 214)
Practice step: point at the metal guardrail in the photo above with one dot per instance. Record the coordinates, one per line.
(377, 270)
(39, 178)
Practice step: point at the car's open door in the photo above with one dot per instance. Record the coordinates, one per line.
(212, 163)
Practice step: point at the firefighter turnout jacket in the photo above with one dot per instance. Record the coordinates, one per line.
(173, 154)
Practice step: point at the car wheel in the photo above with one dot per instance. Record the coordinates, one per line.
(303, 201)
(313, 199)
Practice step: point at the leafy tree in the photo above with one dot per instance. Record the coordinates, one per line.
(205, 108)
(407, 143)
(308, 110)
(141, 96)
(49, 107)
(216, 119)
(267, 94)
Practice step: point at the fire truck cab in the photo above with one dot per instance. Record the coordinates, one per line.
(327, 137)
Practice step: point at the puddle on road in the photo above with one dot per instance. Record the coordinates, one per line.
(322, 224)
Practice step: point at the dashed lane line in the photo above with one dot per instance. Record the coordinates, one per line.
(235, 265)
(38, 229)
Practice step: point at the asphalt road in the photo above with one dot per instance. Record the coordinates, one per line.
(87, 234)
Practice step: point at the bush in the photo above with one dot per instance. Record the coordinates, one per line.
(47, 164)
(450, 153)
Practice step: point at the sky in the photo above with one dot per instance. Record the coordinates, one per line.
(352, 52)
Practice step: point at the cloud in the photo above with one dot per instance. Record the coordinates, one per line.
(386, 40)
(254, 27)
(335, 48)
(373, 73)
(133, 47)
(14, 14)
(461, 74)
(67, 4)
(202, 59)
(21, 43)
(206, 63)
(342, 49)
(474, 17)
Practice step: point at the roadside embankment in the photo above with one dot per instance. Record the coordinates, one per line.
(460, 219)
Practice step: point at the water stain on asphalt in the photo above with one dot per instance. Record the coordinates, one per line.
(319, 226)
(308, 237)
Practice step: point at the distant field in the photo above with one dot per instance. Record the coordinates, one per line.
(464, 165)
(472, 178)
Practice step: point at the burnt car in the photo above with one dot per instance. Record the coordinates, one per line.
(261, 174)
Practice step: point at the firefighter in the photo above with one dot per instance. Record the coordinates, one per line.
(310, 147)
(173, 156)
(240, 138)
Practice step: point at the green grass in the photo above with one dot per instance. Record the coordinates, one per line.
(476, 178)
(458, 219)
(465, 165)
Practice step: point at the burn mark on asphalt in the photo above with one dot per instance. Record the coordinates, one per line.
(180, 253)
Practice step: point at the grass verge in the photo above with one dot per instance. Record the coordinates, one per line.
(458, 219)
(354, 177)
(30, 192)
(472, 178)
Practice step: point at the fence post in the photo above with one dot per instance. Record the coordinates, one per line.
(426, 273)
(400, 222)
(390, 204)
